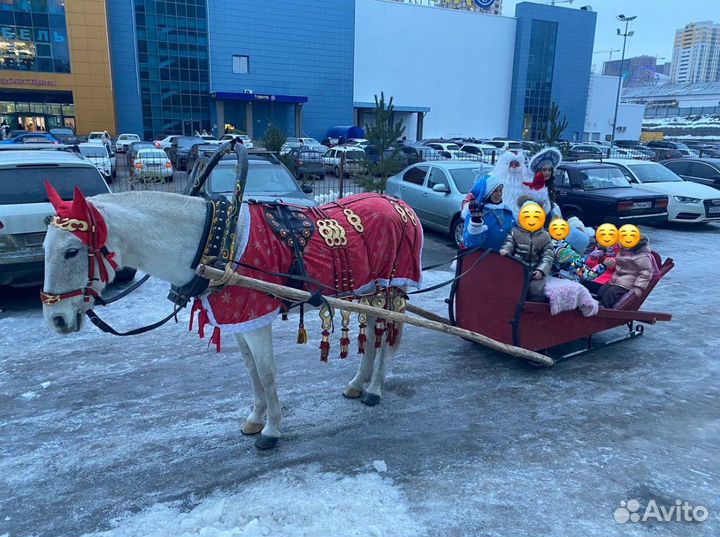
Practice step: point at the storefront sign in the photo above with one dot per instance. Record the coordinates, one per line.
(26, 82)
(484, 3)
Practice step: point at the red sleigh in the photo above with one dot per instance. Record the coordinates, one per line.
(490, 300)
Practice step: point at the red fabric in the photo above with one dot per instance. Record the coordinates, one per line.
(388, 249)
(80, 209)
(538, 182)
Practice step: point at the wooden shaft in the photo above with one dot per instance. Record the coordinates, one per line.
(290, 293)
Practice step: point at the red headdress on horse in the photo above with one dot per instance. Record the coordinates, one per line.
(79, 217)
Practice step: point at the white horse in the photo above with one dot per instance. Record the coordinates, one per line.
(159, 233)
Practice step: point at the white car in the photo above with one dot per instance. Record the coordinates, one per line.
(210, 139)
(687, 201)
(24, 206)
(505, 145)
(97, 137)
(246, 140)
(166, 142)
(486, 152)
(151, 166)
(354, 160)
(451, 151)
(101, 156)
(124, 140)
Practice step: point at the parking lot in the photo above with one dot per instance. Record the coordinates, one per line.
(141, 435)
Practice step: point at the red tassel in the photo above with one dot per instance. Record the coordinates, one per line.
(344, 346)
(203, 319)
(325, 346)
(379, 330)
(215, 338)
(392, 333)
(362, 339)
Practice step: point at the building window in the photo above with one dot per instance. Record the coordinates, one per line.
(241, 64)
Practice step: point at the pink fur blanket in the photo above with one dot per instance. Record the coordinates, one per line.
(566, 295)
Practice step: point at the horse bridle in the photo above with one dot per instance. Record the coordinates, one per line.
(96, 252)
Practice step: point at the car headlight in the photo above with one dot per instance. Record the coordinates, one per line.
(683, 199)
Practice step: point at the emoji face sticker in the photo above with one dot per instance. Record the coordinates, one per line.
(606, 235)
(531, 217)
(559, 229)
(629, 236)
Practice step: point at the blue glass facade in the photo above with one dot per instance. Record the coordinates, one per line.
(553, 58)
(301, 50)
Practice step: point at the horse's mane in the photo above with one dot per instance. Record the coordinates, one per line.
(149, 200)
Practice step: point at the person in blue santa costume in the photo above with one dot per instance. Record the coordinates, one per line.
(487, 219)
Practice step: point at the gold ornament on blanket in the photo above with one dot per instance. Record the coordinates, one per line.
(354, 220)
(332, 232)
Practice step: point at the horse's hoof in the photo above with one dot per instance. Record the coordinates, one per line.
(370, 399)
(265, 442)
(351, 393)
(249, 428)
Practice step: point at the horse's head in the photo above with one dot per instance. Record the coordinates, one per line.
(74, 258)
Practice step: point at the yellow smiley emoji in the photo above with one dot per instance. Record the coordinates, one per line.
(559, 229)
(532, 217)
(629, 236)
(606, 235)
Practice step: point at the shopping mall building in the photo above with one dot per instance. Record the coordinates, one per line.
(178, 66)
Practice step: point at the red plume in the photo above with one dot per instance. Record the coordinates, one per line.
(538, 182)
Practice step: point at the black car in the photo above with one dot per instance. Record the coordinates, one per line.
(415, 153)
(667, 150)
(599, 193)
(705, 171)
(268, 180)
(585, 151)
(179, 149)
(199, 150)
(308, 162)
(373, 155)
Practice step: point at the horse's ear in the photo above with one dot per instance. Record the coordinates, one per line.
(79, 199)
(53, 196)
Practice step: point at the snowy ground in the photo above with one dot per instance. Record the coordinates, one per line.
(140, 436)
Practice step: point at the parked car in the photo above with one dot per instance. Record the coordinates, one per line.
(17, 132)
(152, 165)
(179, 149)
(268, 180)
(419, 153)
(435, 191)
(684, 150)
(210, 139)
(308, 162)
(24, 206)
(32, 138)
(98, 137)
(64, 135)
(165, 143)
(705, 150)
(505, 145)
(99, 155)
(132, 150)
(292, 142)
(246, 140)
(585, 151)
(598, 193)
(124, 140)
(687, 201)
(373, 155)
(451, 151)
(197, 151)
(354, 157)
(488, 153)
(704, 171)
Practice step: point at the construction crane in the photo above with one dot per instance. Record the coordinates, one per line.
(610, 51)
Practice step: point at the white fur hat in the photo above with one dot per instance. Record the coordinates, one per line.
(550, 154)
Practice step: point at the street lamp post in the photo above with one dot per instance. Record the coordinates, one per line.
(626, 20)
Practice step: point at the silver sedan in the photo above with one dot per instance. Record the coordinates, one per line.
(435, 190)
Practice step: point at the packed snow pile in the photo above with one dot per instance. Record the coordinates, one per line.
(697, 126)
(322, 199)
(300, 501)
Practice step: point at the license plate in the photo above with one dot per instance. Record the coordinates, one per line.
(642, 205)
(713, 210)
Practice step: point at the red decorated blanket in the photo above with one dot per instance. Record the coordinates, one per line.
(360, 244)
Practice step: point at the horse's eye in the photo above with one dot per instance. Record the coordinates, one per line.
(72, 252)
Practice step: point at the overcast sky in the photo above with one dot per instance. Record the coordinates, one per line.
(654, 27)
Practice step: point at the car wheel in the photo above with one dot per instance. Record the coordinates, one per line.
(169, 179)
(456, 230)
(125, 274)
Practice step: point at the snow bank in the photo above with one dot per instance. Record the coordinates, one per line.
(300, 501)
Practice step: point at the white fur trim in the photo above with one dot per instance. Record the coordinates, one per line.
(476, 229)
(238, 328)
(243, 224)
(465, 211)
